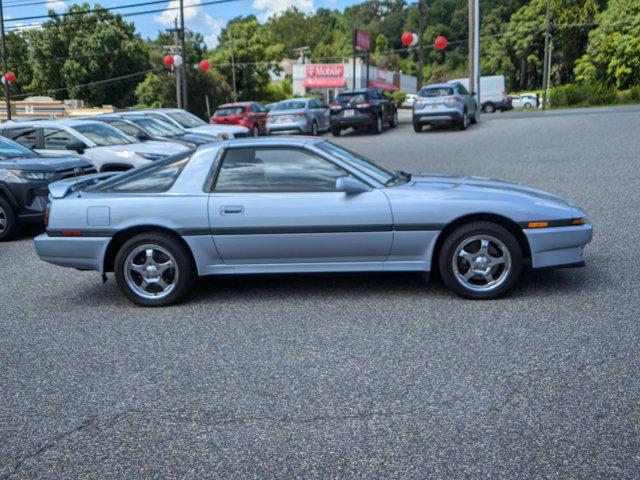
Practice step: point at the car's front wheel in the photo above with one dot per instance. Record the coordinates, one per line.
(480, 260)
(8, 221)
(393, 123)
(464, 122)
(377, 126)
(154, 270)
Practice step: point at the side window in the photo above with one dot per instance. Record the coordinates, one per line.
(254, 108)
(24, 136)
(56, 139)
(276, 170)
(158, 178)
(463, 90)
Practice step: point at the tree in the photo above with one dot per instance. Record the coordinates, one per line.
(159, 88)
(256, 53)
(90, 44)
(613, 53)
(18, 61)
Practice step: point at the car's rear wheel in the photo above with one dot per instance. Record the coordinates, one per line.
(9, 225)
(393, 123)
(473, 119)
(154, 270)
(255, 131)
(314, 129)
(489, 108)
(377, 126)
(417, 127)
(464, 121)
(480, 260)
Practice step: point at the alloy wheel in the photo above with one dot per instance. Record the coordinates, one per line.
(314, 129)
(151, 271)
(481, 263)
(4, 220)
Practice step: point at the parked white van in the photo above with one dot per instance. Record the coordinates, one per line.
(493, 93)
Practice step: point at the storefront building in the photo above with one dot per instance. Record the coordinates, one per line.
(328, 79)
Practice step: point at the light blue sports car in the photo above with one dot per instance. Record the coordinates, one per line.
(277, 205)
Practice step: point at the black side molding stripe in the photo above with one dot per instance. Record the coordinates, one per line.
(552, 223)
(71, 233)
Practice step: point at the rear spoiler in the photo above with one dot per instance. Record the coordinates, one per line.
(62, 188)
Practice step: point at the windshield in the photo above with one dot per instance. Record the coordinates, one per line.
(225, 112)
(291, 105)
(436, 92)
(359, 162)
(11, 149)
(104, 135)
(186, 119)
(157, 127)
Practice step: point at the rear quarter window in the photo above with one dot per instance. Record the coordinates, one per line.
(157, 177)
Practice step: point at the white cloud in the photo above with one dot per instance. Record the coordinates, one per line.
(194, 18)
(55, 5)
(269, 8)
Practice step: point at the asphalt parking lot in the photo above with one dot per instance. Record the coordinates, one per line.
(350, 376)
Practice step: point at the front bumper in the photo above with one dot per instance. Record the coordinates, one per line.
(558, 247)
(83, 253)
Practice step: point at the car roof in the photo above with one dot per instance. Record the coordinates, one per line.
(440, 85)
(70, 122)
(279, 141)
(236, 104)
(359, 90)
(297, 99)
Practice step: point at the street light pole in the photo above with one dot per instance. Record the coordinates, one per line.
(422, 6)
(545, 68)
(233, 64)
(183, 68)
(4, 63)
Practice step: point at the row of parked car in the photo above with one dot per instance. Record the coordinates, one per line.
(34, 153)
(366, 108)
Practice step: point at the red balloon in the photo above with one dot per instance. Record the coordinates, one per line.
(168, 60)
(204, 65)
(407, 39)
(10, 77)
(441, 43)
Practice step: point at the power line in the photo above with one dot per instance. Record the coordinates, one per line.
(94, 10)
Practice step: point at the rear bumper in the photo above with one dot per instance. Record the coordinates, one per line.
(356, 120)
(436, 116)
(558, 247)
(300, 127)
(86, 253)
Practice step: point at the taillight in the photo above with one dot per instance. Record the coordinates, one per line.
(504, 94)
(47, 210)
(335, 106)
(452, 99)
(363, 105)
(420, 103)
(298, 115)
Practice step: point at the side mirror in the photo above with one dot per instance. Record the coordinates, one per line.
(349, 185)
(142, 136)
(76, 146)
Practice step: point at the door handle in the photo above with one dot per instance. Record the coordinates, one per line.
(232, 210)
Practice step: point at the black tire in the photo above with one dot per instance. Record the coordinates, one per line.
(255, 131)
(335, 131)
(377, 126)
(464, 122)
(393, 123)
(417, 127)
(474, 118)
(489, 108)
(314, 129)
(528, 105)
(9, 225)
(184, 268)
(507, 278)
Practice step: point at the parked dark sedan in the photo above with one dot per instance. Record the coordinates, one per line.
(24, 179)
(365, 107)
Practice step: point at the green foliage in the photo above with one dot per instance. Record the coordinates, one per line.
(82, 48)
(613, 53)
(17, 46)
(399, 97)
(276, 91)
(255, 51)
(586, 94)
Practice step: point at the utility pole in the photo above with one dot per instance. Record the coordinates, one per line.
(183, 51)
(354, 58)
(4, 63)
(176, 70)
(476, 51)
(233, 65)
(422, 7)
(545, 69)
(472, 49)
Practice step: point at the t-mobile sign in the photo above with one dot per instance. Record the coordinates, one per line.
(325, 70)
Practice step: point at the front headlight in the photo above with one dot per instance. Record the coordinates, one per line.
(151, 156)
(34, 175)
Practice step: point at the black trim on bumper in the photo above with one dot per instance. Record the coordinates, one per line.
(551, 224)
(566, 265)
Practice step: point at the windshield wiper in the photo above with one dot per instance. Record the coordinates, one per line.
(399, 175)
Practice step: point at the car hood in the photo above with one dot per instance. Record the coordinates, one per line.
(48, 162)
(480, 185)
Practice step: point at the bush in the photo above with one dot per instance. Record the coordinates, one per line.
(585, 94)
(399, 97)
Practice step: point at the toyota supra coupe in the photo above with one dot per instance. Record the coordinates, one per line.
(285, 205)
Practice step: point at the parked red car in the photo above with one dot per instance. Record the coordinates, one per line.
(247, 114)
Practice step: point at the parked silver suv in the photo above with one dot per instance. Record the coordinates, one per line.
(440, 103)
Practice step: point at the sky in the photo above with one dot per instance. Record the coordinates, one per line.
(207, 20)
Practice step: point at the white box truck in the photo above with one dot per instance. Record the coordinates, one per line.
(493, 93)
